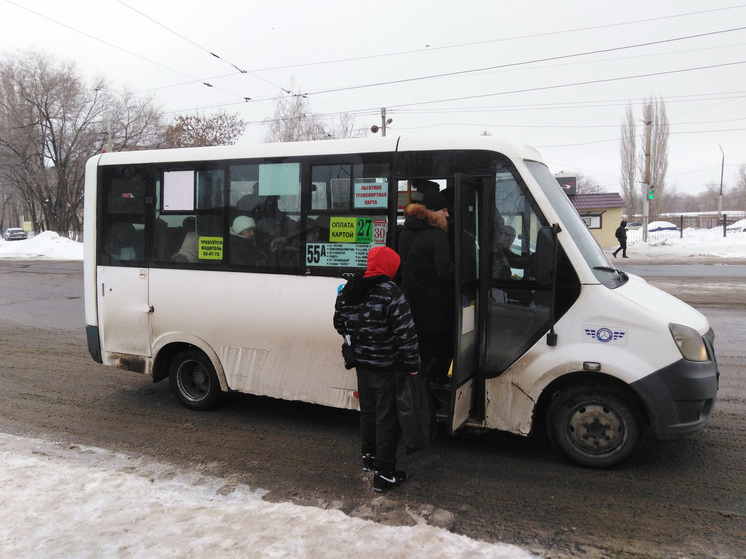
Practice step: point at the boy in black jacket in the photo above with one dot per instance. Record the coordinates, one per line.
(372, 310)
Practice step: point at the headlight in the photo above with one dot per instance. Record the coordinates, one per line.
(691, 345)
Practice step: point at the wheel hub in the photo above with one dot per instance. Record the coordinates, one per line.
(595, 428)
(194, 380)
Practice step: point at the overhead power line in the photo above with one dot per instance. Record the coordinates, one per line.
(211, 53)
(192, 79)
(573, 84)
(490, 41)
(526, 62)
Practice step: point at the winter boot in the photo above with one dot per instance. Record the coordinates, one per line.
(383, 481)
(368, 460)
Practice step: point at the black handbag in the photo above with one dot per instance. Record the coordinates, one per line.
(414, 409)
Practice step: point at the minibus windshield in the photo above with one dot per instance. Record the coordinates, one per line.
(589, 248)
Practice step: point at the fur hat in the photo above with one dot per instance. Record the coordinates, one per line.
(435, 201)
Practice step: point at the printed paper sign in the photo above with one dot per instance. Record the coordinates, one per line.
(371, 194)
(210, 248)
(337, 255)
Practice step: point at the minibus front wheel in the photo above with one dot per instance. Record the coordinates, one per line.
(194, 380)
(594, 425)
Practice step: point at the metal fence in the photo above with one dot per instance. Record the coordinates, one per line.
(706, 224)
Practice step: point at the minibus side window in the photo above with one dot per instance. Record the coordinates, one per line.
(188, 227)
(264, 217)
(123, 218)
(349, 214)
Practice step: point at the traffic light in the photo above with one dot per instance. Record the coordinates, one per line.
(651, 192)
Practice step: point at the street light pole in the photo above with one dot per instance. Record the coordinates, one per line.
(384, 123)
(722, 167)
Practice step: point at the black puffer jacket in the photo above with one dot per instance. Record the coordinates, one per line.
(621, 232)
(427, 271)
(374, 312)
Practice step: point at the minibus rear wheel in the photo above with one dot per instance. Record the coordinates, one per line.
(194, 380)
(595, 426)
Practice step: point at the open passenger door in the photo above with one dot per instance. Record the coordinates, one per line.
(466, 255)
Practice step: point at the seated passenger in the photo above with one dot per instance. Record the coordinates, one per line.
(122, 243)
(189, 249)
(242, 244)
(504, 237)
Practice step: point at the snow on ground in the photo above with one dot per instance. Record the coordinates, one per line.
(61, 500)
(672, 245)
(68, 501)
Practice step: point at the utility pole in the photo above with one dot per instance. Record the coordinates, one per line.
(384, 122)
(720, 198)
(648, 185)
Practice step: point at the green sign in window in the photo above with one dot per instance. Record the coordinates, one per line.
(351, 230)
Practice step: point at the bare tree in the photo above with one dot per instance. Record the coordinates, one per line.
(635, 164)
(657, 119)
(586, 184)
(199, 130)
(736, 197)
(294, 121)
(51, 122)
(131, 122)
(628, 152)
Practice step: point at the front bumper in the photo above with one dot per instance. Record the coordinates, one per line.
(680, 398)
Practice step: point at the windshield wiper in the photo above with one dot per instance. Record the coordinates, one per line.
(620, 273)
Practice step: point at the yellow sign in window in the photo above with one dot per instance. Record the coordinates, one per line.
(211, 248)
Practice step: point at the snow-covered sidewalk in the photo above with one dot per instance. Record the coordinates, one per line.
(67, 501)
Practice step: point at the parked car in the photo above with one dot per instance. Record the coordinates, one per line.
(661, 226)
(15, 234)
(634, 225)
(737, 227)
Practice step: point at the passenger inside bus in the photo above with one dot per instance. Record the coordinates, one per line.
(242, 247)
(189, 249)
(506, 265)
(504, 237)
(122, 244)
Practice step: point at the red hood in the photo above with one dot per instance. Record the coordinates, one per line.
(382, 261)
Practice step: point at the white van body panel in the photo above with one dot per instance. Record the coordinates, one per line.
(256, 349)
(625, 330)
(666, 306)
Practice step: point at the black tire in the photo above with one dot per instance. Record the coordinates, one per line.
(594, 426)
(194, 380)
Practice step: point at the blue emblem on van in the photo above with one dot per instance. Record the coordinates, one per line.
(603, 334)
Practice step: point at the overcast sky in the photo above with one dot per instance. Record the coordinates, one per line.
(556, 75)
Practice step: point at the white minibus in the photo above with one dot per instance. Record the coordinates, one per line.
(563, 342)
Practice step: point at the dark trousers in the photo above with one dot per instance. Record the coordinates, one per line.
(622, 247)
(436, 353)
(379, 423)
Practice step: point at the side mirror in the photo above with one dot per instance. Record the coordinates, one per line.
(545, 250)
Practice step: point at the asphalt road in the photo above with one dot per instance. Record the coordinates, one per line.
(684, 498)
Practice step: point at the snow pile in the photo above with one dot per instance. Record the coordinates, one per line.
(44, 246)
(74, 502)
